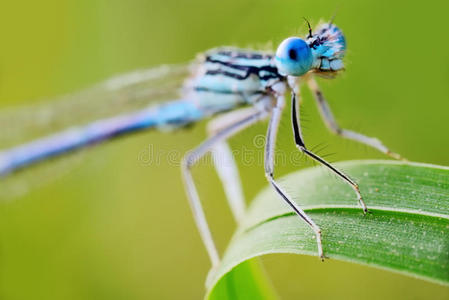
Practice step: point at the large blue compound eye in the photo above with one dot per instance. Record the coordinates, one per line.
(293, 57)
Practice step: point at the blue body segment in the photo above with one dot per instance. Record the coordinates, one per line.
(176, 113)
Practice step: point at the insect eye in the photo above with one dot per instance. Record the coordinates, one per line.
(293, 57)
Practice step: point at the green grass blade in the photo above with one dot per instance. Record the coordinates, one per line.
(407, 230)
(246, 281)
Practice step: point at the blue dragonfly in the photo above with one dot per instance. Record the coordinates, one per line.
(235, 88)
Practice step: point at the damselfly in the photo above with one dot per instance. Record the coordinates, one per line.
(241, 86)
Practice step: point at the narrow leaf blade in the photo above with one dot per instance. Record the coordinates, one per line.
(406, 231)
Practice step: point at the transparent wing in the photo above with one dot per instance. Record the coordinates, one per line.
(114, 96)
(118, 95)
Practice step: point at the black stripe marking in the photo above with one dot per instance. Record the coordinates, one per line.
(271, 70)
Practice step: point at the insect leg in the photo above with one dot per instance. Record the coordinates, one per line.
(301, 146)
(229, 176)
(331, 123)
(225, 163)
(269, 171)
(190, 159)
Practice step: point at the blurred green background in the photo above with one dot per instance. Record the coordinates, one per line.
(112, 227)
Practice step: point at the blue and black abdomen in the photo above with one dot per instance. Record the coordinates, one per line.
(328, 47)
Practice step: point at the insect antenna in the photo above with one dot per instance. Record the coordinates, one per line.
(310, 28)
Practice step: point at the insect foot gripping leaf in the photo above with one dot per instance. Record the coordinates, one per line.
(406, 232)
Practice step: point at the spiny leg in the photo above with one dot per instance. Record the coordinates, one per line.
(301, 146)
(192, 193)
(269, 171)
(331, 123)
